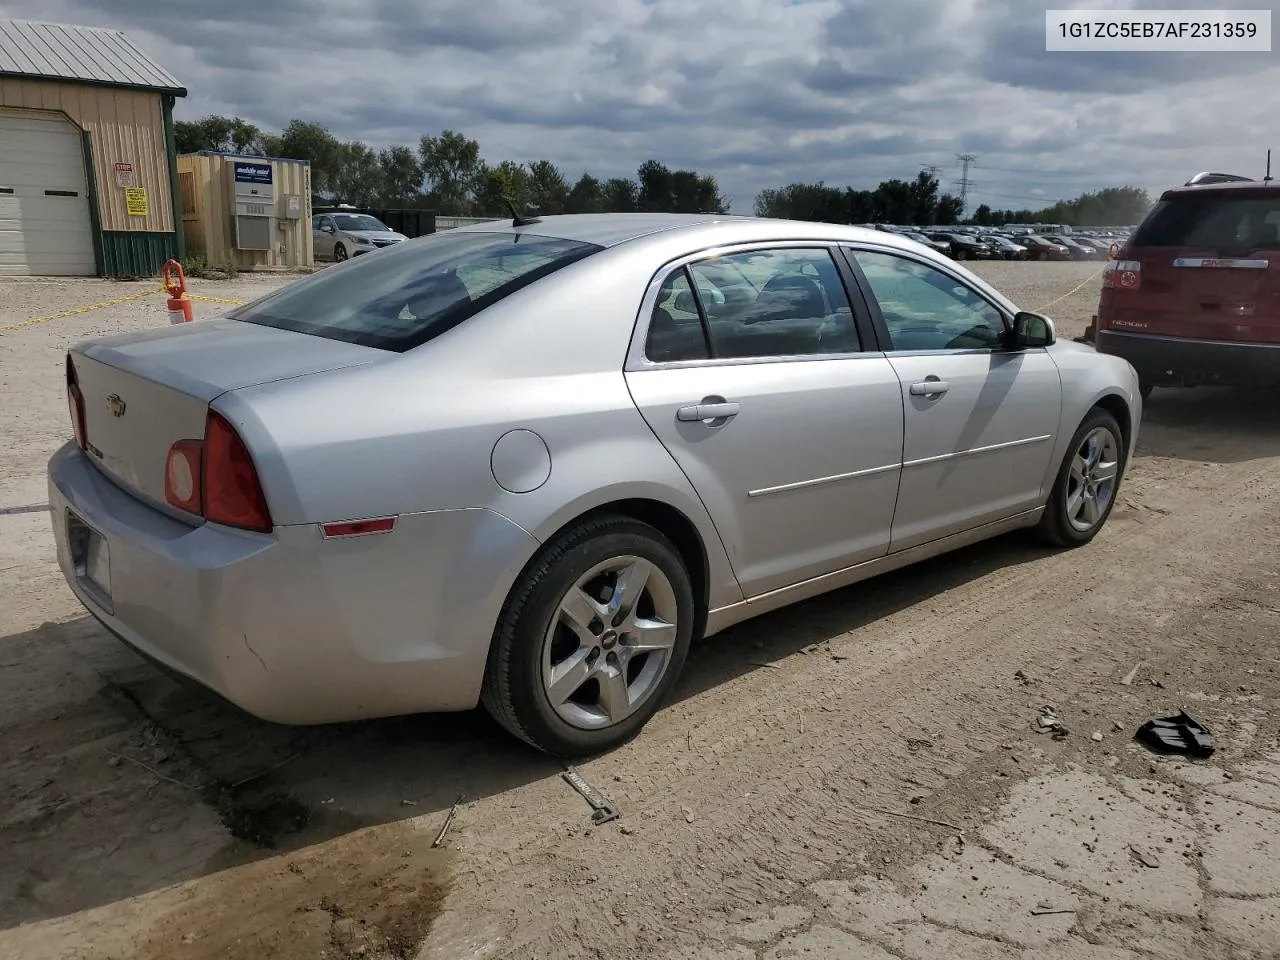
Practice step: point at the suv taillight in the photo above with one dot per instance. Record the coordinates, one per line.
(1122, 275)
(75, 405)
(215, 478)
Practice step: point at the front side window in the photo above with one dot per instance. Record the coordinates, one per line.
(926, 309)
(775, 303)
(412, 292)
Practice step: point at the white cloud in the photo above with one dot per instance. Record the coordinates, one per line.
(758, 92)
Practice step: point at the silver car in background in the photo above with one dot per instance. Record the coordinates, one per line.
(528, 464)
(340, 236)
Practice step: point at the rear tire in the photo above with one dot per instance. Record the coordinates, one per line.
(565, 665)
(1043, 255)
(1083, 493)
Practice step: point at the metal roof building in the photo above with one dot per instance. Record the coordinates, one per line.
(87, 163)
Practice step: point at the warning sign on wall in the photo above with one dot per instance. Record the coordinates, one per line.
(135, 199)
(126, 176)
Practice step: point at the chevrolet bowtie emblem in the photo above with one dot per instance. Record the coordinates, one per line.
(115, 405)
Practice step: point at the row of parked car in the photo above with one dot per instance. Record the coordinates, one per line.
(1007, 246)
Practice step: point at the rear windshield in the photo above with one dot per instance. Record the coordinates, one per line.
(404, 295)
(1213, 221)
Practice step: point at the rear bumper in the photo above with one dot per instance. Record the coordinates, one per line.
(1172, 361)
(288, 626)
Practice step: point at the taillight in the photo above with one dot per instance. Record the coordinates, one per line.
(1122, 275)
(215, 478)
(231, 489)
(75, 404)
(182, 475)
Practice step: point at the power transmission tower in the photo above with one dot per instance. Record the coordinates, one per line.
(932, 169)
(965, 159)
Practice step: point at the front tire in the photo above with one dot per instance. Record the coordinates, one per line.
(1087, 483)
(339, 253)
(591, 639)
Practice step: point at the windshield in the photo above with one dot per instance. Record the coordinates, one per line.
(359, 221)
(411, 292)
(1214, 222)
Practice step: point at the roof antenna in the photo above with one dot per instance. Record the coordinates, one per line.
(1268, 177)
(518, 219)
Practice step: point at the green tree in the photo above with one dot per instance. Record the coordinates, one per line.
(983, 216)
(358, 176)
(657, 188)
(587, 196)
(303, 140)
(401, 176)
(507, 181)
(621, 196)
(949, 211)
(548, 189)
(223, 134)
(453, 170)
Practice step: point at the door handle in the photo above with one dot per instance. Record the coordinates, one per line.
(929, 388)
(696, 412)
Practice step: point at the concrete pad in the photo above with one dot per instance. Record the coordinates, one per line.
(1266, 770)
(982, 895)
(1256, 792)
(867, 906)
(712, 953)
(927, 942)
(1160, 798)
(1252, 924)
(1078, 829)
(1241, 849)
(1124, 927)
(763, 925)
(825, 943)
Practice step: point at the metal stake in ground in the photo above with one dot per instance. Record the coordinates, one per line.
(602, 810)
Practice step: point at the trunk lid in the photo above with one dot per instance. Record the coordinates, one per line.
(144, 392)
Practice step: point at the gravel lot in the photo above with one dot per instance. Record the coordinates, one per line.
(891, 800)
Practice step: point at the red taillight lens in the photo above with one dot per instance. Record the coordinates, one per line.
(182, 475)
(1122, 275)
(232, 493)
(75, 404)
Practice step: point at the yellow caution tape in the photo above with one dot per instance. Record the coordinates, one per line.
(74, 311)
(1073, 290)
(234, 303)
(89, 308)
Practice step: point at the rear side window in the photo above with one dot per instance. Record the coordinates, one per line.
(402, 296)
(1214, 221)
(775, 303)
(675, 329)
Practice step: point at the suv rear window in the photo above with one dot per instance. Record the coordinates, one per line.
(1214, 221)
(402, 296)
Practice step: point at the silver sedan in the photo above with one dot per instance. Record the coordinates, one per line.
(528, 463)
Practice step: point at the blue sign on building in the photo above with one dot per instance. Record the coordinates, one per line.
(252, 172)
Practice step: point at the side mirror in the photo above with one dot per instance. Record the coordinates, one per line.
(1031, 330)
(685, 302)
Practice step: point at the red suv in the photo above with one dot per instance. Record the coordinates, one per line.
(1193, 297)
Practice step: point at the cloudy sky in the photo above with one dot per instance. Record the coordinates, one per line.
(758, 92)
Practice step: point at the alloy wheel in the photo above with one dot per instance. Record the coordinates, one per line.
(1091, 484)
(609, 643)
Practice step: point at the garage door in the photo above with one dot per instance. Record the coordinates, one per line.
(44, 198)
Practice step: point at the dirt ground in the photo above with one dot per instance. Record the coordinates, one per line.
(855, 777)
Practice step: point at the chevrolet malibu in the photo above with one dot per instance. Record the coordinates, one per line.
(527, 463)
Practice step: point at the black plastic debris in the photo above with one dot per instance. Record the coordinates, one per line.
(1181, 733)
